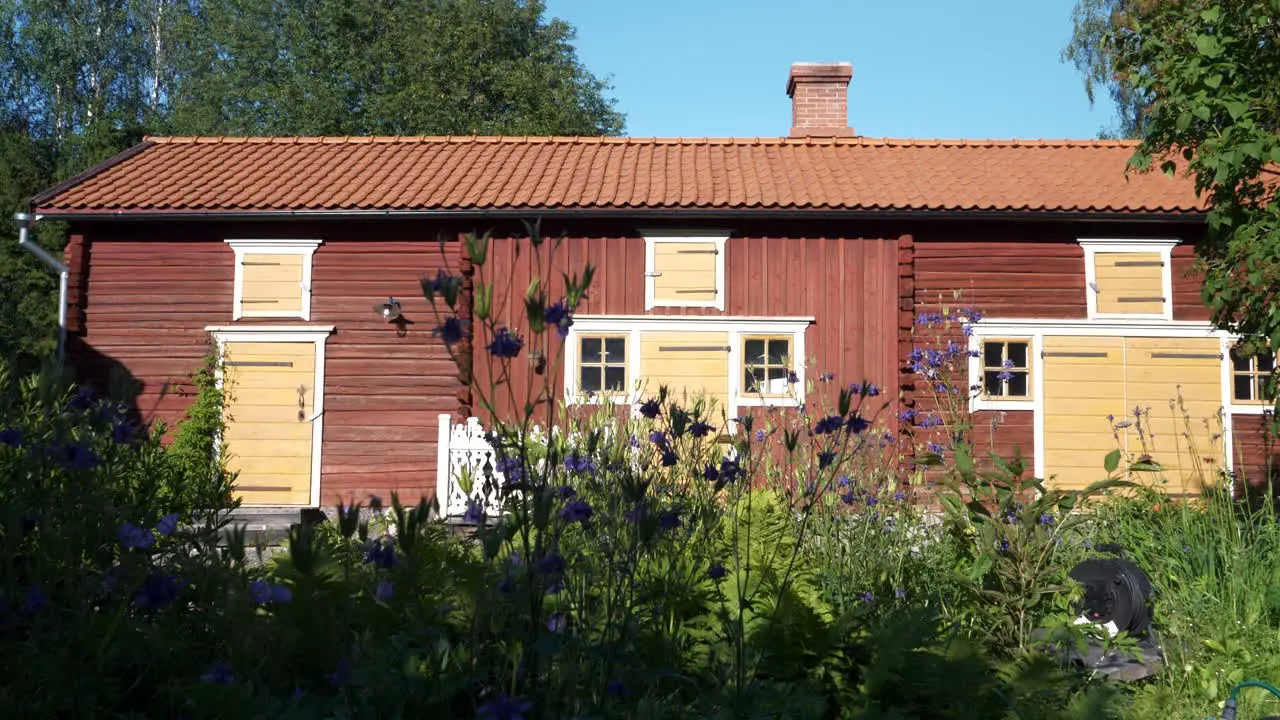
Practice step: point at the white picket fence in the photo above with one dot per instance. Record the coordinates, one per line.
(464, 449)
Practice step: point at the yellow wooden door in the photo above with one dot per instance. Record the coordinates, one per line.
(688, 363)
(268, 420)
(1177, 383)
(1084, 383)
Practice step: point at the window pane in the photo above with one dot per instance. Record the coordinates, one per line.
(1266, 363)
(753, 380)
(615, 350)
(591, 348)
(777, 381)
(1243, 387)
(991, 384)
(1018, 354)
(615, 379)
(1261, 391)
(992, 354)
(1241, 364)
(1018, 384)
(589, 379)
(753, 352)
(778, 351)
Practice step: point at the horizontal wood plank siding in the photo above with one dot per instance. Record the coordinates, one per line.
(848, 284)
(1188, 303)
(151, 290)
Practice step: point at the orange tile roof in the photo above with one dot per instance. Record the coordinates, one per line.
(214, 175)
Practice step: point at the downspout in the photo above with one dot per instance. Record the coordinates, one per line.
(25, 221)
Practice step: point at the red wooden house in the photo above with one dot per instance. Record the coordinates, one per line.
(723, 265)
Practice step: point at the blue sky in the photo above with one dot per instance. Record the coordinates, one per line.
(921, 68)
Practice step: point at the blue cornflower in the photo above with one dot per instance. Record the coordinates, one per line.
(711, 473)
(82, 400)
(11, 437)
(384, 590)
(730, 470)
(668, 520)
(842, 480)
(935, 448)
(133, 537)
(650, 408)
(506, 344)
(669, 458)
(578, 511)
(828, 424)
(825, 458)
(856, 423)
(1004, 546)
(504, 707)
(451, 331)
(73, 456)
(657, 437)
(579, 464)
(123, 433)
(474, 514)
(559, 316)
(849, 498)
(552, 564)
(900, 593)
(899, 496)
(759, 436)
(616, 689)
(219, 674)
(872, 500)
(35, 601)
(557, 622)
(1046, 519)
(867, 597)
(167, 524)
(907, 415)
(716, 571)
(700, 429)
(158, 590)
(380, 553)
(340, 674)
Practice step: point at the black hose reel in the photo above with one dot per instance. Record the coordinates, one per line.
(1117, 598)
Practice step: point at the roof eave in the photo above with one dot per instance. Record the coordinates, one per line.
(48, 194)
(1145, 215)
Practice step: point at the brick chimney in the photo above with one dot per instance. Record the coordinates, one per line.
(819, 95)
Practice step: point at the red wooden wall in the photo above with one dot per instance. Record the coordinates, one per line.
(150, 291)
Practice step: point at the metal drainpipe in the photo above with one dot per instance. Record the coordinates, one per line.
(25, 220)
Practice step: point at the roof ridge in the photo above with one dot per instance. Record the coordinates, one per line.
(859, 141)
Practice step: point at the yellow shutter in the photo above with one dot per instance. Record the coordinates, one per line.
(1183, 438)
(685, 273)
(1130, 283)
(269, 430)
(1084, 382)
(272, 284)
(688, 363)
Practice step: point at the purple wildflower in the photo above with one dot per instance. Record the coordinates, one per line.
(504, 707)
(828, 424)
(384, 590)
(825, 458)
(557, 622)
(11, 437)
(792, 378)
(669, 458)
(576, 511)
(219, 674)
(451, 331)
(506, 344)
(73, 456)
(381, 553)
(167, 524)
(716, 571)
(759, 436)
(867, 597)
(900, 593)
(82, 400)
(158, 590)
(856, 423)
(474, 514)
(668, 520)
(700, 429)
(559, 316)
(650, 408)
(899, 496)
(133, 537)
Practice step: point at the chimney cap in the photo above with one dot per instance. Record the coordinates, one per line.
(818, 72)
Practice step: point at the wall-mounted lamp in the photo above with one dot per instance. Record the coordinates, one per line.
(389, 310)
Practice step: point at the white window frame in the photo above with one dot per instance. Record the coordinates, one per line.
(633, 326)
(243, 247)
(1241, 407)
(977, 399)
(652, 238)
(1039, 329)
(314, 334)
(1095, 246)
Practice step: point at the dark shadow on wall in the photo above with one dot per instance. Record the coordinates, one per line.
(107, 377)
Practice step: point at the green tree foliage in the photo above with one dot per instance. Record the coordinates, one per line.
(81, 81)
(1212, 71)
